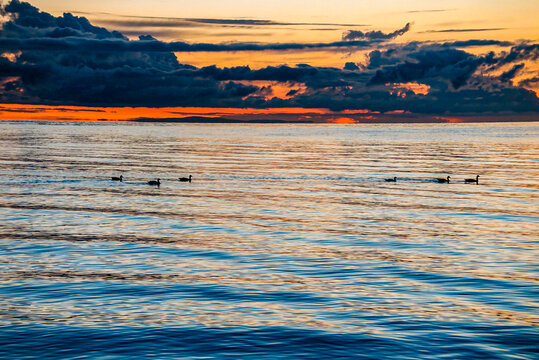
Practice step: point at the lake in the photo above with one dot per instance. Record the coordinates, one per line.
(287, 244)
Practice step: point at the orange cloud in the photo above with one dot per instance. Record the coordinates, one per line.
(401, 88)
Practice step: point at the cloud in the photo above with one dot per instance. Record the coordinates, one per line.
(148, 22)
(31, 29)
(464, 30)
(377, 58)
(521, 52)
(351, 66)
(510, 74)
(77, 44)
(375, 35)
(430, 62)
(66, 60)
(29, 21)
(474, 42)
(531, 82)
(159, 21)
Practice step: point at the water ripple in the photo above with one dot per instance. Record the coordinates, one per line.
(287, 244)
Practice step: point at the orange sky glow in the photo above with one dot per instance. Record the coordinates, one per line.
(345, 73)
(126, 114)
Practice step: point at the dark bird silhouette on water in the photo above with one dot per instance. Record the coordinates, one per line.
(118, 178)
(184, 179)
(394, 179)
(443, 180)
(472, 181)
(155, 182)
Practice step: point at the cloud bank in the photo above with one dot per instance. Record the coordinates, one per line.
(66, 60)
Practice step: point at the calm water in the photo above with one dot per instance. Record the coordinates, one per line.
(288, 243)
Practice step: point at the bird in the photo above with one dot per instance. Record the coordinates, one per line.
(155, 182)
(394, 179)
(186, 179)
(118, 178)
(443, 180)
(469, 181)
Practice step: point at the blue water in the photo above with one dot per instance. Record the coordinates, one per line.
(288, 244)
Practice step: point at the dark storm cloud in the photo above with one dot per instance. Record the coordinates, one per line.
(377, 58)
(29, 21)
(510, 74)
(67, 61)
(351, 66)
(447, 102)
(520, 53)
(428, 62)
(78, 44)
(312, 77)
(374, 35)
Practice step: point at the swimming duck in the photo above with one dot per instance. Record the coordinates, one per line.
(155, 182)
(186, 179)
(476, 180)
(443, 180)
(118, 178)
(394, 179)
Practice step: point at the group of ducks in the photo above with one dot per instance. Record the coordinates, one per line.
(155, 182)
(443, 180)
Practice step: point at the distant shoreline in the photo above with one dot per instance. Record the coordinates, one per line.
(381, 120)
(210, 120)
(390, 120)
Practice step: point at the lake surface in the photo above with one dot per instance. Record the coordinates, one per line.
(288, 244)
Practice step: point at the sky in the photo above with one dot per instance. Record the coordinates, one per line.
(294, 60)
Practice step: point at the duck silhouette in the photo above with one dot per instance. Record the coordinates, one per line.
(155, 182)
(394, 179)
(118, 178)
(443, 180)
(184, 179)
(469, 181)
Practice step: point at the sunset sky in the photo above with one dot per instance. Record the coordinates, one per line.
(340, 61)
